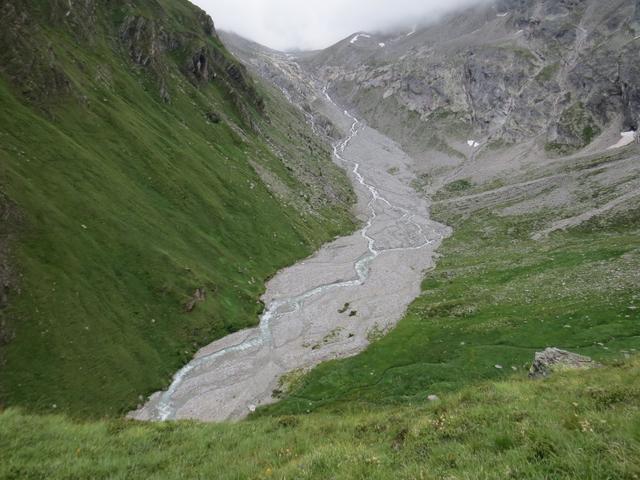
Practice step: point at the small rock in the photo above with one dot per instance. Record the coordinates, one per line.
(252, 408)
(213, 117)
(433, 398)
(499, 367)
(199, 296)
(553, 359)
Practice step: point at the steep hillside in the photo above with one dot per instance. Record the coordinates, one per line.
(148, 189)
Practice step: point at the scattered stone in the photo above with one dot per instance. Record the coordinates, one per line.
(344, 308)
(553, 359)
(199, 296)
(213, 117)
(165, 94)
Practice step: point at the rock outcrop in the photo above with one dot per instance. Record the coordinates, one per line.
(146, 40)
(199, 296)
(27, 60)
(151, 41)
(208, 26)
(554, 359)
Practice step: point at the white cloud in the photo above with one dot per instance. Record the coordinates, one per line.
(311, 24)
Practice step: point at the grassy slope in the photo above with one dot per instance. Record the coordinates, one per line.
(129, 205)
(495, 298)
(575, 425)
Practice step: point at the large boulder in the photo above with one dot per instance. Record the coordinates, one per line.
(554, 359)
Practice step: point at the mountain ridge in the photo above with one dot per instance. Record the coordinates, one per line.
(484, 72)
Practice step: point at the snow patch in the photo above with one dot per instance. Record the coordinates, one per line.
(413, 30)
(502, 15)
(473, 143)
(626, 139)
(357, 37)
(382, 45)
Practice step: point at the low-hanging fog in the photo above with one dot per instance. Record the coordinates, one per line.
(313, 24)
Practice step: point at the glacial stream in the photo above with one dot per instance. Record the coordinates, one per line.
(164, 406)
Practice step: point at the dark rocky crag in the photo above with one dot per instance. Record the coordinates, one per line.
(152, 43)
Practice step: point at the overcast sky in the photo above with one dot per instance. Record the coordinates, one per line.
(311, 24)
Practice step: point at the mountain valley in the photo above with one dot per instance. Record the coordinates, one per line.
(348, 259)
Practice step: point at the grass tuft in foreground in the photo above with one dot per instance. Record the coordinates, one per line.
(574, 425)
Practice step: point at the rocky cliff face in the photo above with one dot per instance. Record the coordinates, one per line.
(560, 71)
(150, 42)
(30, 66)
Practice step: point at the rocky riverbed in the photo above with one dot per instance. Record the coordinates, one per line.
(328, 306)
